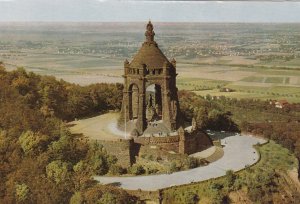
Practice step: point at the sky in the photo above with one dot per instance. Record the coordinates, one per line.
(158, 11)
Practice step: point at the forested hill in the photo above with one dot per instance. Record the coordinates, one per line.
(40, 161)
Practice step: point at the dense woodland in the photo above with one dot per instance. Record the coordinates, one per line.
(40, 162)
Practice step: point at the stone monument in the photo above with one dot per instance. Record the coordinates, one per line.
(150, 107)
(150, 69)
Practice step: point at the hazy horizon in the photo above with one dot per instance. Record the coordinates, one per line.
(141, 11)
(139, 22)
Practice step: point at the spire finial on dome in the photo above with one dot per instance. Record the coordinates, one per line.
(149, 32)
(126, 62)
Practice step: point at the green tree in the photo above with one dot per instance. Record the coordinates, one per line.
(229, 179)
(22, 84)
(80, 166)
(201, 116)
(98, 159)
(60, 146)
(77, 198)
(22, 192)
(208, 97)
(108, 198)
(31, 141)
(53, 96)
(57, 171)
(219, 120)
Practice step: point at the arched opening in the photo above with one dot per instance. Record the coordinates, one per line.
(133, 101)
(153, 102)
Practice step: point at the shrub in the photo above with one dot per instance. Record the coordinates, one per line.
(190, 198)
(173, 167)
(116, 170)
(136, 169)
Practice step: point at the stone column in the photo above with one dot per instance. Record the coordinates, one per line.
(166, 111)
(124, 116)
(141, 121)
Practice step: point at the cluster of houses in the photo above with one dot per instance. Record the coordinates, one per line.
(224, 89)
(279, 104)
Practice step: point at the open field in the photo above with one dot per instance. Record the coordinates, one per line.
(263, 63)
(292, 94)
(258, 83)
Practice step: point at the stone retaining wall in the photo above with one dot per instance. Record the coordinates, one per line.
(195, 142)
(169, 143)
(188, 143)
(123, 149)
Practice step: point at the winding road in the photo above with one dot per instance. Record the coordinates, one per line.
(238, 153)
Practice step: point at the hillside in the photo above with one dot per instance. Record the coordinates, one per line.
(40, 161)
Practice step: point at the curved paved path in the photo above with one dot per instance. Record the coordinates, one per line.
(238, 152)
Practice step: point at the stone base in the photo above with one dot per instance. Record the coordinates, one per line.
(127, 150)
(190, 143)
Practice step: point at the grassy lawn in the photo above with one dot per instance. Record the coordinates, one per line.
(273, 157)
